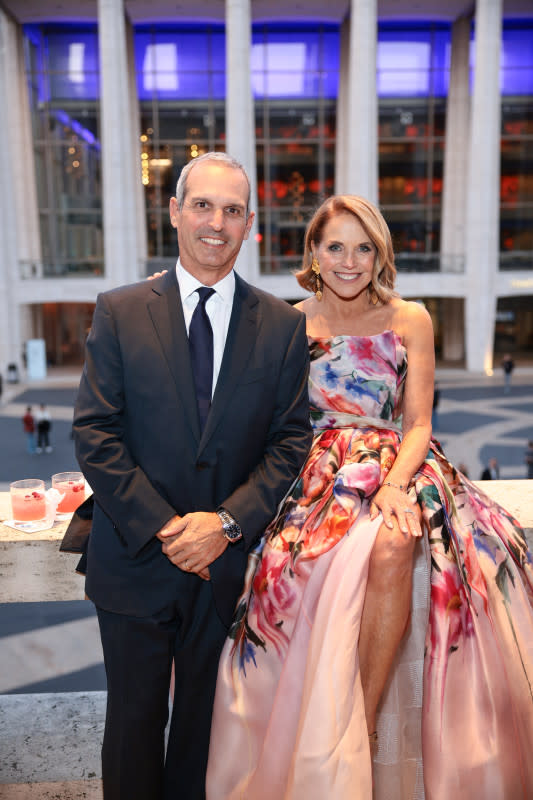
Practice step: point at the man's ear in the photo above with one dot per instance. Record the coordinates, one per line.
(249, 222)
(174, 212)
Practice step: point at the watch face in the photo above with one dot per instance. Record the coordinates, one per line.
(232, 531)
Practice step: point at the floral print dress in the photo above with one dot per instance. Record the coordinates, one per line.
(456, 719)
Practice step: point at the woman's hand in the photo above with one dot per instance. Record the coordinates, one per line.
(156, 275)
(394, 502)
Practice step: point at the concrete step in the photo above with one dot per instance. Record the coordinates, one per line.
(50, 746)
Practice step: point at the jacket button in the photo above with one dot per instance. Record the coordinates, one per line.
(201, 465)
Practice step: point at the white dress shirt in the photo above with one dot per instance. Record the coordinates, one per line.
(218, 308)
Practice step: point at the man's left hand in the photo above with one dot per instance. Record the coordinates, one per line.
(195, 542)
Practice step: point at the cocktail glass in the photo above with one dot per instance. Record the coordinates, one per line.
(72, 486)
(28, 500)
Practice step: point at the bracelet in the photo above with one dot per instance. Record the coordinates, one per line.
(399, 486)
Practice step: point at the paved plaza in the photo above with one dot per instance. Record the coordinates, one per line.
(55, 647)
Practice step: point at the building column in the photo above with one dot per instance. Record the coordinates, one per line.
(453, 339)
(454, 188)
(359, 141)
(240, 118)
(123, 255)
(140, 202)
(483, 190)
(341, 133)
(19, 217)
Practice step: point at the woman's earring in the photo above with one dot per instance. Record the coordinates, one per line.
(315, 266)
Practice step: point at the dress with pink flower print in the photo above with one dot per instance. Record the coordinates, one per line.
(456, 719)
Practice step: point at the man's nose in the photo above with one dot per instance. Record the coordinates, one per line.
(217, 220)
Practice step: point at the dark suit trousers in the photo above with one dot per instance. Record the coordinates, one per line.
(138, 654)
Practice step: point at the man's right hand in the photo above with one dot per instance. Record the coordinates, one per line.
(171, 531)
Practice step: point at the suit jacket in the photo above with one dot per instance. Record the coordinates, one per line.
(139, 445)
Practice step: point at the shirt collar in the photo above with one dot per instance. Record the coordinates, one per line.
(188, 284)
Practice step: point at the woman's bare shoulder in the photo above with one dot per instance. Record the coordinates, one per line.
(305, 306)
(410, 317)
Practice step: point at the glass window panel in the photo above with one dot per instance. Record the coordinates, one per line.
(294, 123)
(402, 83)
(516, 171)
(403, 119)
(294, 63)
(330, 54)
(517, 47)
(178, 63)
(517, 117)
(190, 124)
(218, 85)
(285, 239)
(416, 239)
(516, 81)
(293, 179)
(73, 63)
(516, 236)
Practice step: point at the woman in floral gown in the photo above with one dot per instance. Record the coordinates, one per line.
(383, 644)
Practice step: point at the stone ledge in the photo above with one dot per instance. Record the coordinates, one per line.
(51, 741)
(32, 569)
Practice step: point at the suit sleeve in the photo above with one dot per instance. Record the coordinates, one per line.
(255, 502)
(120, 486)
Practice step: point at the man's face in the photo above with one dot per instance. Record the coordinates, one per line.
(212, 223)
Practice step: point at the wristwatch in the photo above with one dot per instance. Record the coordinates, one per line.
(231, 529)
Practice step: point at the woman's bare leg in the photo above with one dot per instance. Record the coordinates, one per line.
(385, 614)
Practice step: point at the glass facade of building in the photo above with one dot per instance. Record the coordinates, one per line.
(180, 74)
(62, 68)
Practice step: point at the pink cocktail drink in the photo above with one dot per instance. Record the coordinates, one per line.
(72, 486)
(28, 500)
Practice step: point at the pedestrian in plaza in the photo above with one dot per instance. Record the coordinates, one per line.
(491, 471)
(44, 426)
(28, 425)
(508, 367)
(191, 423)
(529, 458)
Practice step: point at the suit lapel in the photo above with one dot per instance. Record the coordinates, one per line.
(166, 311)
(240, 341)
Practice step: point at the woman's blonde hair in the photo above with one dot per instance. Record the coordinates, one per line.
(381, 288)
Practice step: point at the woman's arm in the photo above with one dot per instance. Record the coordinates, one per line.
(415, 327)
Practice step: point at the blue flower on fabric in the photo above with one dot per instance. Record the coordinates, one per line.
(247, 655)
(331, 377)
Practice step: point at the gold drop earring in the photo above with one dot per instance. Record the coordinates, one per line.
(315, 266)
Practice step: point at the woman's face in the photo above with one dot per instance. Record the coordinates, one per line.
(346, 256)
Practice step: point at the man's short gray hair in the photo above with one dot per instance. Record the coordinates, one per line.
(224, 158)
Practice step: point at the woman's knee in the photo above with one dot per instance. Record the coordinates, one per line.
(392, 553)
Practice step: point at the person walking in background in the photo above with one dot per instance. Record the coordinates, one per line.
(191, 423)
(44, 426)
(529, 458)
(491, 471)
(28, 425)
(508, 367)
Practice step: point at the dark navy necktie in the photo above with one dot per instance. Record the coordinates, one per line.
(201, 349)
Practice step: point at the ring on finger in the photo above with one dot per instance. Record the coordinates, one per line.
(186, 564)
(408, 511)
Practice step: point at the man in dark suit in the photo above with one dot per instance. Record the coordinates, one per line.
(185, 478)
